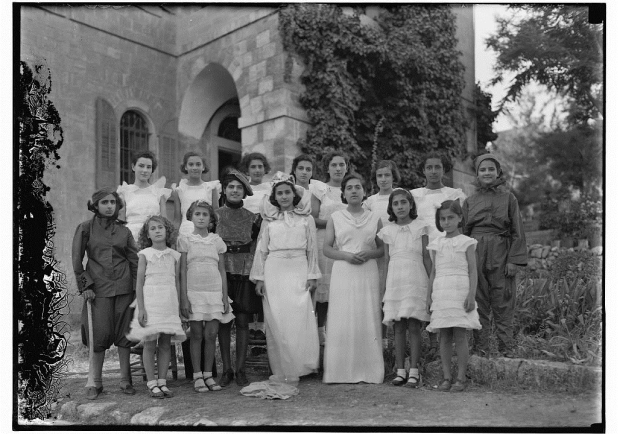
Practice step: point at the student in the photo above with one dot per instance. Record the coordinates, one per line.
(353, 351)
(452, 287)
(285, 270)
(405, 278)
(141, 198)
(156, 321)
(203, 295)
(108, 281)
(491, 216)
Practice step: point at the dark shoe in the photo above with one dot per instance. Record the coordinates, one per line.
(241, 378)
(414, 382)
(398, 380)
(128, 389)
(93, 392)
(166, 392)
(458, 386)
(226, 378)
(445, 386)
(259, 336)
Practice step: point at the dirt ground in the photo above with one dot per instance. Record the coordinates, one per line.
(349, 405)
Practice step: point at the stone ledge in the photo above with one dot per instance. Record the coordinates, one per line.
(530, 374)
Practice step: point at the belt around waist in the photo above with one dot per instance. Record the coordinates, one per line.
(288, 254)
(243, 248)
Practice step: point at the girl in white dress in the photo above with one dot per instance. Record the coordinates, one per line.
(434, 166)
(407, 270)
(327, 199)
(285, 270)
(156, 320)
(353, 351)
(141, 198)
(193, 188)
(203, 296)
(452, 289)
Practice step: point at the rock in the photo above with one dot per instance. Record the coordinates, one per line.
(544, 263)
(121, 417)
(532, 265)
(598, 250)
(185, 420)
(535, 246)
(536, 253)
(555, 248)
(94, 409)
(204, 422)
(150, 416)
(68, 409)
(545, 252)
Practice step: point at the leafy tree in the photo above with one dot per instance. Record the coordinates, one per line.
(556, 46)
(405, 71)
(485, 118)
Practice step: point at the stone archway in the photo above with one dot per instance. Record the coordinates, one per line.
(208, 101)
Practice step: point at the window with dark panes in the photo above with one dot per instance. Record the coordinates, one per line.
(133, 138)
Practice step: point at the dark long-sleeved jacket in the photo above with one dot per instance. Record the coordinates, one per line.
(112, 257)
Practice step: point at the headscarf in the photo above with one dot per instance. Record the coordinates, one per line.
(271, 212)
(499, 181)
(100, 194)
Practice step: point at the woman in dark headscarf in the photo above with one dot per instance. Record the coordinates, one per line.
(108, 281)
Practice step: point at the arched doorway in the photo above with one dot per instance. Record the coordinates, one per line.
(208, 118)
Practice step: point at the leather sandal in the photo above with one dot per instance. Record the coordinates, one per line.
(199, 386)
(166, 392)
(398, 381)
(155, 392)
(445, 386)
(211, 384)
(93, 392)
(414, 382)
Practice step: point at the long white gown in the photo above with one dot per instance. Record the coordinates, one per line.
(286, 257)
(353, 351)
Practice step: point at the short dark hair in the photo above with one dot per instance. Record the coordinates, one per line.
(145, 154)
(212, 227)
(444, 159)
(329, 157)
(248, 158)
(346, 179)
(400, 191)
(390, 164)
(170, 232)
(298, 159)
(451, 205)
(272, 199)
(185, 160)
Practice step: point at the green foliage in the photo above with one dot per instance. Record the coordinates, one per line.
(404, 69)
(573, 218)
(560, 316)
(556, 46)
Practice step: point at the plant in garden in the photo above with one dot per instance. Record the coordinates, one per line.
(577, 220)
(405, 69)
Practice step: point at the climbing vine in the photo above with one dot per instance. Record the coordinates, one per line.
(403, 68)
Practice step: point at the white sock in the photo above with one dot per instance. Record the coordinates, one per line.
(259, 326)
(207, 374)
(401, 373)
(197, 375)
(414, 372)
(161, 382)
(151, 384)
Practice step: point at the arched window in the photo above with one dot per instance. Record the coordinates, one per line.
(133, 138)
(228, 129)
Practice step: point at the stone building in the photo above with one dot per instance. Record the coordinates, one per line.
(170, 78)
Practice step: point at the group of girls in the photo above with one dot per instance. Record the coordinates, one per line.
(292, 249)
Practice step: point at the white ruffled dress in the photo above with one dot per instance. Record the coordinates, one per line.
(330, 201)
(407, 280)
(160, 298)
(204, 285)
(428, 200)
(451, 284)
(141, 203)
(189, 194)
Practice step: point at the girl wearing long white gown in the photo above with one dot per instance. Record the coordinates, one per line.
(285, 270)
(353, 351)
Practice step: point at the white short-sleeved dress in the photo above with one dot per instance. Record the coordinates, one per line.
(426, 200)
(285, 258)
(160, 298)
(204, 285)
(451, 284)
(407, 280)
(189, 194)
(353, 351)
(141, 203)
(330, 201)
(252, 203)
